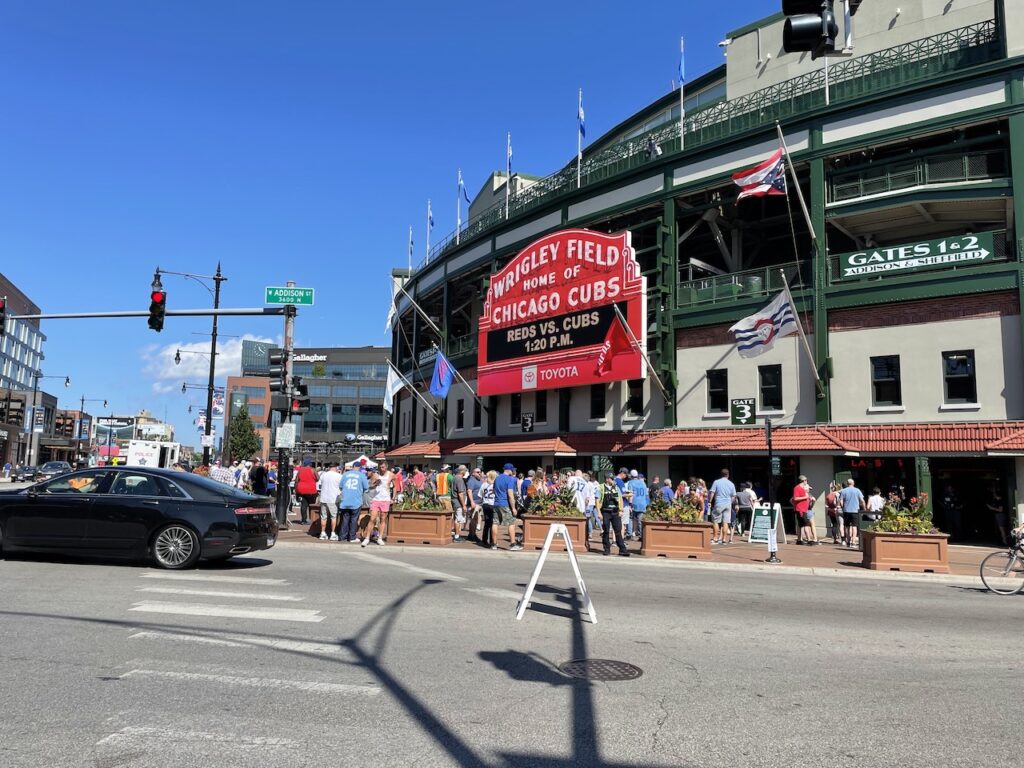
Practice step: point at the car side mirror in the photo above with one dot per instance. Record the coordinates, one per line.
(32, 493)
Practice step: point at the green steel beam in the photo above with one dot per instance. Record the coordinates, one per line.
(1016, 128)
(820, 316)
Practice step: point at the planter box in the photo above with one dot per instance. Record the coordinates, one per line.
(682, 540)
(918, 552)
(535, 530)
(423, 526)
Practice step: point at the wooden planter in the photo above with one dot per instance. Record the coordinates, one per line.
(420, 526)
(535, 530)
(682, 540)
(917, 552)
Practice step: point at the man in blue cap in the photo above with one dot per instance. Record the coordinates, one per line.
(505, 503)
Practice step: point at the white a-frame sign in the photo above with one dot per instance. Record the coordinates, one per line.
(560, 530)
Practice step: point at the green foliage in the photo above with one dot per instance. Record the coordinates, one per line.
(690, 509)
(319, 370)
(899, 519)
(559, 504)
(244, 443)
(413, 499)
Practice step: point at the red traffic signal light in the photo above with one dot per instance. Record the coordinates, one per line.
(158, 296)
(157, 304)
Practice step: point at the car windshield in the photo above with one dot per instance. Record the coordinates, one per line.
(53, 465)
(207, 487)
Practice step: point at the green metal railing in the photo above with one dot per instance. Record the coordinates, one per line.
(764, 281)
(891, 69)
(905, 174)
(1002, 251)
(461, 344)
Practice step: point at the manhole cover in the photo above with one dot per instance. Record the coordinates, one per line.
(600, 669)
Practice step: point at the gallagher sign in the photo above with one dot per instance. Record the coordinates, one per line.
(929, 254)
(549, 319)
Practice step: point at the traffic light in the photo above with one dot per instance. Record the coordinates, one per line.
(298, 387)
(3, 316)
(810, 26)
(278, 371)
(157, 304)
(300, 404)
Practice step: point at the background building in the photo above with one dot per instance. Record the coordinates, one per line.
(911, 296)
(252, 393)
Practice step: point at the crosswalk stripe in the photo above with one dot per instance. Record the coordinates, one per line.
(440, 575)
(259, 682)
(146, 733)
(232, 640)
(210, 577)
(217, 593)
(227, 611)
(502, 594)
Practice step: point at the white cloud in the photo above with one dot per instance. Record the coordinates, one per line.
(159, 365)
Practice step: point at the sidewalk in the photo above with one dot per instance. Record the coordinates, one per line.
(826, 558)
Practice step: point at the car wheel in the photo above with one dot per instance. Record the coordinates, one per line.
(175, 547)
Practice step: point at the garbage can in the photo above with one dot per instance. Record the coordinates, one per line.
(752, 284)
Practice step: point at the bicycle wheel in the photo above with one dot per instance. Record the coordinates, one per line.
(1003, 573)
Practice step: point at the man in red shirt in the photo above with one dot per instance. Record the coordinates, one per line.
(802, 505)
(418, 479)
(306, 488)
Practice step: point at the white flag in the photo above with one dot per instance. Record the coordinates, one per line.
(391, 388)
(757, 333)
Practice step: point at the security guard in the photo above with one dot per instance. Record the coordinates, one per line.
(610, 505)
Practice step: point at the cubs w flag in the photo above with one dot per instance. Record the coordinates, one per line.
(757, 333)
(444, 375)
(767, 178)
(391, 388)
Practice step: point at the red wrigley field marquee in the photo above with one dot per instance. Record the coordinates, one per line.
(549, 319)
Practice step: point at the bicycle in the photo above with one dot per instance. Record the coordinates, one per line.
(1003, 572)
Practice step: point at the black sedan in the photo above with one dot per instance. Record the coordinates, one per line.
(53, 468)
(173, 518)
(27, 474)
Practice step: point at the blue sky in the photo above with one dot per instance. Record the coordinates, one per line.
(290, 141)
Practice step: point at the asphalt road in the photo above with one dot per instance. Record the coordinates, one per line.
(338, 655)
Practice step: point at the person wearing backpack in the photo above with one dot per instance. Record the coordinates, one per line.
(306, 483)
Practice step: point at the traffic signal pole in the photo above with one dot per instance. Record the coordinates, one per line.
(284, 470)
(208, 449)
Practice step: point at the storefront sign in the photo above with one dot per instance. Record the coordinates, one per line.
(765, 521)
(40, 419)
(930, 254)
(549, 319)
(742, 412)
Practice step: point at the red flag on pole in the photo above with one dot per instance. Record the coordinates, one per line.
(615, 343)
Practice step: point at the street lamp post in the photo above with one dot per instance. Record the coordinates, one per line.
(81, 415)
(36, 376)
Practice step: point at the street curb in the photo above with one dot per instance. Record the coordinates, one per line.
(789, 570)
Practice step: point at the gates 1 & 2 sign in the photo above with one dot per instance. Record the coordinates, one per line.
(549, 319)
(929, 254)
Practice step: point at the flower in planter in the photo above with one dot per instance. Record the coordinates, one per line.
(415, 500)
(914, 519)
(689, 509)
(559, 504)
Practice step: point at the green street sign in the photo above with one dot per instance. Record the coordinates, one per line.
(928, 254)
(776, 466)
(743, 412)
(283, 295)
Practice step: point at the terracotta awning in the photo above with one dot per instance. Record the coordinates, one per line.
(428, 450)
(545, 446)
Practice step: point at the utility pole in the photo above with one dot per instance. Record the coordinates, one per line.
(217, 280)
(284, 470)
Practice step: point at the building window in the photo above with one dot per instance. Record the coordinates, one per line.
(476, 414)
(598, 407)
(371, 393)
(316, 419)
(635, 397)
(423, 428)
(515, 411)
(343, 419)
(345, 390)
(718, 390)
(371, 418)
(770, 387)
(319, 390)
(460, 413)
(541, 407)
(256, 410)
(885, 381)
(958, 372)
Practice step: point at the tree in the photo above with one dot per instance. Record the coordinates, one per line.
(244, 442)
(319, 370)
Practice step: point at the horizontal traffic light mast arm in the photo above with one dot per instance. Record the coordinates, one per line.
(282, 310)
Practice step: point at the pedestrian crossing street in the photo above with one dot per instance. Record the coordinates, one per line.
(178, 658)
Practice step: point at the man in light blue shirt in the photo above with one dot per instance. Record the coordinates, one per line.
(722, 497)
(641, 498)
(353, 486)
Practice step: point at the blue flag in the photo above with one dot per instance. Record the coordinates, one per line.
(462, 187)
(444, 375)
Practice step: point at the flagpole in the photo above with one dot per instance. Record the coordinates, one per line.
(458, 208)
(424, 315)
(410, 250)
(407, 383)
(796, 183)
(508, 170)
(803, 336)
(427, 259)
(579, 142)
(633, 339)
(460, 378)
(682, 102)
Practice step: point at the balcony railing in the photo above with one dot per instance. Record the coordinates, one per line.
(891, 69)
(906, 174)
(462, 344)
(749, 283)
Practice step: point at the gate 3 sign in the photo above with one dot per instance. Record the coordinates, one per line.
(930, 254)
(549, 319)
